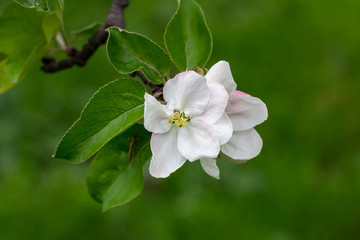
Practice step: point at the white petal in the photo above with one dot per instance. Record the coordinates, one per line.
(221, 73)
(217, 103)
(198, 140)
(156, 116)
(209, 166)
(243, 145)
(166, 158)
(187, 92)
(223, 128)
(246, 112)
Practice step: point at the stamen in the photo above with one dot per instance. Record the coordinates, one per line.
(176, 115)
(179, 119)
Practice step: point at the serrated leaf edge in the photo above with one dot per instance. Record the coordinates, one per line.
(166, 29)
(207, 27)
(140, 68)
(81, 114)
(34, 6)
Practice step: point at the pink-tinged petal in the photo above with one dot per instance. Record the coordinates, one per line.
(237, 92)
(210, 167)
(166, 158)
(187, 92)
(217, 103)
(221, 73)
(243, 145)
(223, 129)
(198, 140)
(246, 112)
(156, 116)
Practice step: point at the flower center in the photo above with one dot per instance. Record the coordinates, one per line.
(179, 119)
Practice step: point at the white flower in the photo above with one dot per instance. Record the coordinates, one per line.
(245, 112)
(192, 125)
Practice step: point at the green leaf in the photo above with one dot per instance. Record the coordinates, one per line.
(113, 109)
(51, 25)
(187, 36)
(129, 52)
(41, 5)
(56, 5)
(115, 179)
(24, 40)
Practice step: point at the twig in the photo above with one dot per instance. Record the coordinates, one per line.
(79, 58)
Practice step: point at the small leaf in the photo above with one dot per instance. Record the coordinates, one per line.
(129, 52)
(24, 40)
(51, 25)
(114, 180)
(187, 36)
(41, 5)
(113, 109)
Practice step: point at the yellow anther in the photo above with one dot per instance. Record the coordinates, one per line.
(176, 115)
(179, 119)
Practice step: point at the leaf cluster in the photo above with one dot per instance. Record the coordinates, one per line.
(110, 128)
(25, 37)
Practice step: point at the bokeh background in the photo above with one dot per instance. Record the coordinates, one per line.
(301, 57)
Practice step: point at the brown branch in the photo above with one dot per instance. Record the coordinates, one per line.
(79, 58)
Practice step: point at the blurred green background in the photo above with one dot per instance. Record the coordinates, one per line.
(301, 57)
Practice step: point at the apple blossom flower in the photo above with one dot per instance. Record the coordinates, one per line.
(191, 126)
(245, 112)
